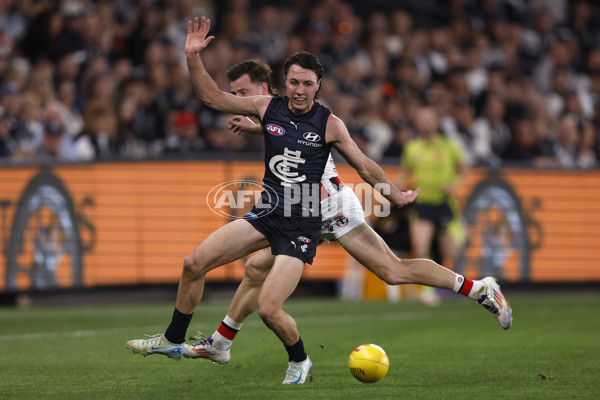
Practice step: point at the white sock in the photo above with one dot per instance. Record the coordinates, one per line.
(232, 327)
(474, 287)
(232, 323)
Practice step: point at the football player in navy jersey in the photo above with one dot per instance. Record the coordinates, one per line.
(299, 133)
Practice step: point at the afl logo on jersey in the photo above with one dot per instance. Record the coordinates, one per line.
(303, 239)
(275, 130)
(311, 136)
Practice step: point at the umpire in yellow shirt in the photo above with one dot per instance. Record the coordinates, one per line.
(434, 163)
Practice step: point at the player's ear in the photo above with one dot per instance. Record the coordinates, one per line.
(265, 88)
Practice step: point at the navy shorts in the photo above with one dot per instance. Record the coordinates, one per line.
(440, 214)
(294, 237)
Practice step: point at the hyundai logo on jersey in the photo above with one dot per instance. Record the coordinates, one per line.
(311, 136)
(275, 130)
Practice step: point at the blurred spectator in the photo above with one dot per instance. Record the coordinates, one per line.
(6, 140)
(565, 145)
(131, 144)
(41, 84)
(269, 35)
(180, 94)
(559, 91)
(101, 87)
(12, 20)
(459, 128)
(539, 36)
(56, 144)
(67, 95)
(559, 56)
(10, 103)
(375, 128)
(522, 146)
(99, 139)
(586, 147)
(184, 137)
(402, 134)
(476, 75)
(491, 134)
(29, 132)
(149, 120)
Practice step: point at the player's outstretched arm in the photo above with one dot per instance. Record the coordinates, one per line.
(204, 86)
(240, 124)
(337, 134)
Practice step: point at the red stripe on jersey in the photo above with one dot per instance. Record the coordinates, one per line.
(324, 192)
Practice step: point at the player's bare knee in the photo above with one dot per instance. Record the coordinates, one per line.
(394, 276)
(267, 313)
(255, 276)
(193, 266)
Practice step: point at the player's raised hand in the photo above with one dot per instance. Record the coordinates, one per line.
(196, 38)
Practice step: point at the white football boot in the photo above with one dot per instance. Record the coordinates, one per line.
(204, 348)
(297, 372)
(495, 302)
(156, 344)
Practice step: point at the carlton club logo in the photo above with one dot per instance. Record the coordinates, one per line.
(233, 199)
(285, 166)
(275, 130)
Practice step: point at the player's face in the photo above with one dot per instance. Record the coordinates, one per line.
(302, 85)
(244, 87)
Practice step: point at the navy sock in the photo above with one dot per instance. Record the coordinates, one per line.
(175, 333)
(296, 351)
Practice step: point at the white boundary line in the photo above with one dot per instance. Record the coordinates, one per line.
(311, 320)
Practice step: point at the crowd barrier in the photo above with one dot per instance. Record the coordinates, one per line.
(123, 223)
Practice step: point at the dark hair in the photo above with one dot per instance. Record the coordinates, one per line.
(258, 71)
(306, 60)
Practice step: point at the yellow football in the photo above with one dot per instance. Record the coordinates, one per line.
(368, 363)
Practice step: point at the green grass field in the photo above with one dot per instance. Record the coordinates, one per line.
(454, 351)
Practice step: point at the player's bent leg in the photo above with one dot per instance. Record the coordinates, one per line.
(279, 285)
(228, 243)
(372, 252)
(245, 302)
(256, 270)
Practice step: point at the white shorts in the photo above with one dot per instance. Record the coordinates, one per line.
(340, 214)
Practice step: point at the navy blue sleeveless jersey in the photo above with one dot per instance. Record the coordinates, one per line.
(295, 157)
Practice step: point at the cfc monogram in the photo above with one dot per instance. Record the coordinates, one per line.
(285, 166)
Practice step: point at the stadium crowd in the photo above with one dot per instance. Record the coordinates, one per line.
(512, 81)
